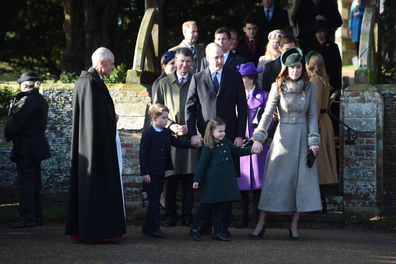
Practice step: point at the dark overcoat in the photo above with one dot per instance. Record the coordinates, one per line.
(270, 73)
(216, 173)
(243, 49)
(27, 124)
(279, 20)
(95, 204)
(252, 167)
(204, 103)
(155, 156)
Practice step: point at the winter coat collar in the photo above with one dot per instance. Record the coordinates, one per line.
(291, 86)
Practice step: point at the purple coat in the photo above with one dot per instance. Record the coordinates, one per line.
(252, 167)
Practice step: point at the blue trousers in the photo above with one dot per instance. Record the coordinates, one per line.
(154, 190)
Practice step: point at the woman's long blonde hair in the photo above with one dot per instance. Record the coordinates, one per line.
(270, 53)
(317, 69)
(212, 124)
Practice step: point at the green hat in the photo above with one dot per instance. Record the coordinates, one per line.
(309, 55)
(292, 56)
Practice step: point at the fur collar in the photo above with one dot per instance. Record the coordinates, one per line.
(291, 86)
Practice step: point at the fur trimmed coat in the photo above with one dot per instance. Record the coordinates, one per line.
(289, 185)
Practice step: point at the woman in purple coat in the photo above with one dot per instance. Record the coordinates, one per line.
(252, 167)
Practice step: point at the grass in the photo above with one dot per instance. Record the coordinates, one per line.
(349, 67)
(50, 213)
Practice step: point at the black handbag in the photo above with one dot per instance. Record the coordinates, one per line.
(311, 158)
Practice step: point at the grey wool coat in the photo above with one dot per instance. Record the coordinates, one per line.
(289, 185)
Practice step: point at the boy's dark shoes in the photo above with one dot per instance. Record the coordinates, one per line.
(170, 224)
(158, 233)
(21, 224)
(205, 230)
(187, 223)
(195, 234)
(219, 237)
(225, 232)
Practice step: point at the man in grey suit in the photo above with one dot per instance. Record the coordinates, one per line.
(231, 60)
(217, 92)
(190, 33)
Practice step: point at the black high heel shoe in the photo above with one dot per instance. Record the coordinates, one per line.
(298, 238)
(260, 235)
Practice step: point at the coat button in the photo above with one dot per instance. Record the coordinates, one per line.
(224, 151)
(162, 157)
(226, 158)
(222, 144)
(162, 149)
(302, 98)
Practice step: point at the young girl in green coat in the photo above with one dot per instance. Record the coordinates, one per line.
(216, 175)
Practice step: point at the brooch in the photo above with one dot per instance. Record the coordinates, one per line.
(258, 96)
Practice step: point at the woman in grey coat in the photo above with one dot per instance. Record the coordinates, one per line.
(289, 184)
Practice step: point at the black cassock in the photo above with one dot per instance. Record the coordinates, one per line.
(95, 208)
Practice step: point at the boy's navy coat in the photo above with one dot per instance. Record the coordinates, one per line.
(155, 156)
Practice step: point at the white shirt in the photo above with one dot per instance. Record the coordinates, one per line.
(179, 77)
(251, 92)
(271, 9)
(157, 129)
(218, 76)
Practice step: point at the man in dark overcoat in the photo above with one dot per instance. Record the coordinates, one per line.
(217, 92)
(270, 17)
(95, 207)
(26, 128)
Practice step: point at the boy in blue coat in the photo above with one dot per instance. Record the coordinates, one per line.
(155, 158)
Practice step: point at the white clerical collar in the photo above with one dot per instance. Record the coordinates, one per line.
(157, 129)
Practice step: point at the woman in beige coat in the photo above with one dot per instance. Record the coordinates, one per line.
(326, 161)
(289, 184)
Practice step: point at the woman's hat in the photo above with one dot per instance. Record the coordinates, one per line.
(308, 56)
(28, 76)
(321, 25)
(248, 68)
(276, 32)
(292, 56)
(168, 56)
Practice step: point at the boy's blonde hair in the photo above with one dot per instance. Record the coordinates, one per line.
(157, 110)
(212, 124)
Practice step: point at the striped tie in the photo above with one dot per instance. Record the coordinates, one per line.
(194, 53)
(181, 80)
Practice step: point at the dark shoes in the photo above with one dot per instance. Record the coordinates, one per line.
(298, 238)
(21, 224)
(260, 235)
(158, 233)
(195, 234)
(220, 237)
(187, 223)
(205, 230)
(225, 233)
(170, 223)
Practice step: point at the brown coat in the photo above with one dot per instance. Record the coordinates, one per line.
(174, 96)
(326, 160)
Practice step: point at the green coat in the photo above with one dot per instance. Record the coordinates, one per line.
(174, 96)
(216, 172)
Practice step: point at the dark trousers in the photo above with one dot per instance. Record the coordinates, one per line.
(154, 190)
(171, 185)
(29, 176)
(226, 216)
(245, 207)
(205, 209)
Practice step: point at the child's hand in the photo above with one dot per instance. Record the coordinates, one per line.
(196, 185)
(146, 179)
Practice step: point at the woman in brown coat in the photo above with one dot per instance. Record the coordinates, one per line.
(326, 161)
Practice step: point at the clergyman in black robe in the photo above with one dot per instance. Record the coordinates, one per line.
(95, 207)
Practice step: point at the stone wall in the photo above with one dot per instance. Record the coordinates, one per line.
(362, 108)
(131, 103)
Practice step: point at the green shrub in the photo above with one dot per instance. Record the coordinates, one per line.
(6, 96)
(118, 75)
(67, 77)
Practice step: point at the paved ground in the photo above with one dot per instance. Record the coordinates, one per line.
(48, 244)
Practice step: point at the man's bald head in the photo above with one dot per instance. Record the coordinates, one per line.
(215, 56)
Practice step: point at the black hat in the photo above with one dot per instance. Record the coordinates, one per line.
(28, 76)
(321, 25)
(292, 56)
